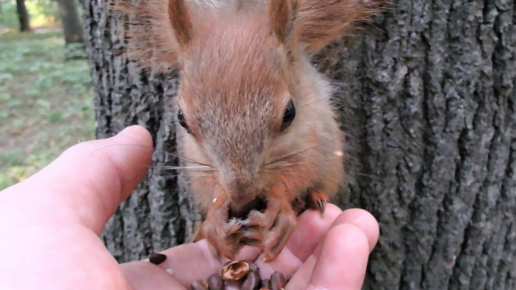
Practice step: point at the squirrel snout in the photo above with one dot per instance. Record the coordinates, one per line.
(240, 188)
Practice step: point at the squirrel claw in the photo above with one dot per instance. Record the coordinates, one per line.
(316, 200)
(278, 236)
(321, 206)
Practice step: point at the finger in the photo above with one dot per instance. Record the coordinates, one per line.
(310, 230)
(363, 220)
(143, 276)
(342, 262)
(83, 185)
(357, 217)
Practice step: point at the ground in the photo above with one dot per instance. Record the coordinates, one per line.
(45, 103)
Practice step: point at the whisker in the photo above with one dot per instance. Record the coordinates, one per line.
(311, 103)
(284, 164)
(368, 176)
(201, 168)
(194, 161)
(290, 154)
(194, 173)
(284, 172)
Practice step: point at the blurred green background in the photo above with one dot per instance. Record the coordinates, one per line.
(42, 13)
(45, 97)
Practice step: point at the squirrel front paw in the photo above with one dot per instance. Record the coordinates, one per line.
(277, 237)
(270, 229)
(224, 237)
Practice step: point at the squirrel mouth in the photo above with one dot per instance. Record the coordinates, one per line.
(242, 211)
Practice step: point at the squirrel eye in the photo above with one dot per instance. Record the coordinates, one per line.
(182, 121)
(289, 115)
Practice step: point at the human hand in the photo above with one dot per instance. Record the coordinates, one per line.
(50, 226)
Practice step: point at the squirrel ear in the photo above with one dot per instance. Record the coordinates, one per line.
(156, 31)
(320, 22)
(179, 18)
(281, 14)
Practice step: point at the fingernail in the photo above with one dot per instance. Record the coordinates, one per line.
(157, 259)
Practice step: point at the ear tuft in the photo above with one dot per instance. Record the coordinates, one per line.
(320, 22)
(180, 20)
(281, 14)
(148, 35)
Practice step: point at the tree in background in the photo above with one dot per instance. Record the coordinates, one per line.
(427, 99)
(23, 16)
(72, 26)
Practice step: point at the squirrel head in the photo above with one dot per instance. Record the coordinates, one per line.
(237, 94)
(242, 70)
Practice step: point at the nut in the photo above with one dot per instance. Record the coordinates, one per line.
(266, 283)
(253, 267)
(252, 281)
(277, 281)
(157, 258)
(234, 271)
(232, 285)
(215, 282)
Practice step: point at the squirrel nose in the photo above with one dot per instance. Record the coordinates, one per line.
(240, 188)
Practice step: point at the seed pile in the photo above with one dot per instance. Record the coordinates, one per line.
(239, 272)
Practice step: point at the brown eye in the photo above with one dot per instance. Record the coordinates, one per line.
(182, 121)
(289, 115)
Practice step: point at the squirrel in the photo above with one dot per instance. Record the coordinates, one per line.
(256, 119)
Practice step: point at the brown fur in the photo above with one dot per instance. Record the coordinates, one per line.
(179, 18)
(281, 13)
(239, 69)
(321, 22)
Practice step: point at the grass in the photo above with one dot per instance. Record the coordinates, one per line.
(45, 103)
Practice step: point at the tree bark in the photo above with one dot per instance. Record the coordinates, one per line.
(23, 16)
(426, 96)
(72, 26)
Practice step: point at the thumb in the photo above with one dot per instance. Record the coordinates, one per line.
(83, 185)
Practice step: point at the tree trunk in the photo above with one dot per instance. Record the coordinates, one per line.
(72, 26)
(427, 99)
(23, 16)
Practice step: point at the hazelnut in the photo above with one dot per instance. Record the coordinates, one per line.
(234, 271)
